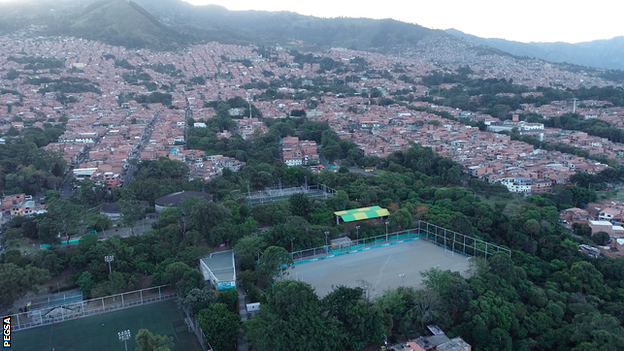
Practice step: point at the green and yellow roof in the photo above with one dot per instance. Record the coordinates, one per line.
(359, 214)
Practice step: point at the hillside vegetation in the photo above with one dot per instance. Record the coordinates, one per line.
(217, 23)
(124, 23)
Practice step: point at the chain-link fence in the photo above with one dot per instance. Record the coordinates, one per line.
(273, 194)
(193, 327)
(346, 245)
(449, 240)
(458, 242)
(68, 310)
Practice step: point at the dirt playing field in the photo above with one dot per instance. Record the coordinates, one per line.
(380, 268)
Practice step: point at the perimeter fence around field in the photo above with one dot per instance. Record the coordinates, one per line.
(69, 310)
(449, 240)
(345, 245)
(193, 327)
(273, 194)
(458, 242)
(53, 300)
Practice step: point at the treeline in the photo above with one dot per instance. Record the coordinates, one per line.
(153, 98)
(546, 295)
(38, 63)
(596, 127)
(498, 97)
(222, 108)
(26, 168)
(265, 148)
(160, 177)
(166, 68)
(65, 85)
(140, 78)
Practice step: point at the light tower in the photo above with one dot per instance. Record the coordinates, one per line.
(387, 222)
(108, 259)
(124, 336)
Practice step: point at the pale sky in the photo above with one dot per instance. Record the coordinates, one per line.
(569, 21)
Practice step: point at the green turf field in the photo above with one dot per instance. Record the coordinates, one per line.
(87, 333)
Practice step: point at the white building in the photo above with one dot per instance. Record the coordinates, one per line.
(293, 162)
(517, 185)
(532, 126)
(607, 214)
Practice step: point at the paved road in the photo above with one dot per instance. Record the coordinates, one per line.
(241, 344)
(125, 232)
(66, 188)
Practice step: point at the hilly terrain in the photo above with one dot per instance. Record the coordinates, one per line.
(240, 27)
(599, 53)
(124, 23)
(173, 24)
(117, 22)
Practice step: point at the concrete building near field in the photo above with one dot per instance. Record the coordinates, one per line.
(219, 269)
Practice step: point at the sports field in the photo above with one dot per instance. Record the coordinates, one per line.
(380, 269)
(87, 333)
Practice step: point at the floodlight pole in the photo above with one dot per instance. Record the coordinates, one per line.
(326, 234)
(108, 259)
(124, 336)
(357, 231)
(387, 231)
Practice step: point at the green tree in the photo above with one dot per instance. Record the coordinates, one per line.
(198, 299)
(274, 262)
(460, 223)
(229, 298)
(98, 222)
(247, 249)
(86, 283)
(87, 241)
(220, 325)
(299, 204)
(531, 227)
(601, 238)
(131, 211)
(65, 217)
(452, 290)
(291, 320)
(361, 322)
(148, 341)
(402, 219)
(16, 280)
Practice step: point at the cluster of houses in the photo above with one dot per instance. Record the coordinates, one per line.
(21, 205)
(297, 152)
(603, 216)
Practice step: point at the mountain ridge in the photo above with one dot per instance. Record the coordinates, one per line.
(173, 24)
(124, 23)
(603, 53)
